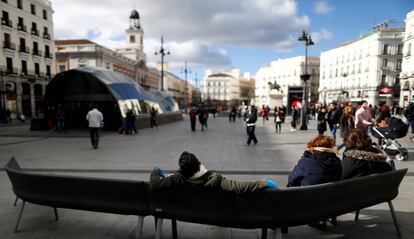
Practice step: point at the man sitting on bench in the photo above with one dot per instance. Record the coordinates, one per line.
(193, 174)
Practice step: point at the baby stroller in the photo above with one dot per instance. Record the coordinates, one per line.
(396, 129)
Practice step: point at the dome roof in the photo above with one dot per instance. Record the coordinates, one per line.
(134, 14)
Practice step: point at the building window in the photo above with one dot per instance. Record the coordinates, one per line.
(383, 79)
(9, 65)
(37, 69)
(47, 51)
(33, 9)
(397, 79)
(408, 50)
(48, 73)
(384, 62)
(19, 4)
(132, 39)
(23, 45)
(62, 68)
(35, 48)
(399, 49)
(399, 62)
(45, 14)
(385, 50)
(24, 67)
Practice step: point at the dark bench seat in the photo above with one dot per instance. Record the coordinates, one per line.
(276, 208)
(115, 196)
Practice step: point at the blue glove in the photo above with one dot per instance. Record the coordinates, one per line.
(162, 175)
(270, 183)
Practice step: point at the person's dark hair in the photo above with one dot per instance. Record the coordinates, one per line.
(356, 139)
(363, 102)
(189, 164)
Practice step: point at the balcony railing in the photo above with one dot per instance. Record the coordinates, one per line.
(35, 32)
(21, 27)
(48, 55)
(9, 70)
(46, 35)
(37, 52)
(24, 49)
(6, 22)
(9, 45)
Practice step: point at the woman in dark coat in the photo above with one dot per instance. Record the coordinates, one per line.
(321, 121)
(361, 158)
(319, 164)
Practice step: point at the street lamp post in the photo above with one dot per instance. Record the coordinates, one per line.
(186, 71)
(162, 51)
(305, 77)
(2, 97)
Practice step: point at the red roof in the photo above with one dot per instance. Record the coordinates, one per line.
(73, 42)
(219, 75)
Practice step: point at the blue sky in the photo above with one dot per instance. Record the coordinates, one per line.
(346, 22)
(225, 34)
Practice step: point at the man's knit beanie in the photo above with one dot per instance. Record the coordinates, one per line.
(189, 164)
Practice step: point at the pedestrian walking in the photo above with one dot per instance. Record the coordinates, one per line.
(202, 117)
(193, 118)
(250, 117)
(232, 115)
(279, 117)
(322, 121)
(333, 118)
(95, 119)
(8, 116)
(346, 123)
(363, 117)
(60, 120)
(264, 113)
(295, 117)
(409, 114)
(153, 114)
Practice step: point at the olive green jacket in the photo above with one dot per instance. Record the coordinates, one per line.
(209, 179)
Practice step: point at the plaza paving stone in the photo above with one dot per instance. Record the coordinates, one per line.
(221, 147)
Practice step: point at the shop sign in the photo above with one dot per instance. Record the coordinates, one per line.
(385, 90)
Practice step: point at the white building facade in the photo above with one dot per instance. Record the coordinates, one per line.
(26, 55)
(228, 88)
(364, 69)
(407, 72)
(286, 74)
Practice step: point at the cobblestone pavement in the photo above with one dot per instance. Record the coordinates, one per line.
(221, 147)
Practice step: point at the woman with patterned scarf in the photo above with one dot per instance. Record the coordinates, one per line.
(361, 157)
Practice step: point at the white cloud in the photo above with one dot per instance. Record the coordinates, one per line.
(196, 31)
(323, 8)
(321, 35)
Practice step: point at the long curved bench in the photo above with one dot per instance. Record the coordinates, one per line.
(264, 209)
(115, 196)
(276, 208)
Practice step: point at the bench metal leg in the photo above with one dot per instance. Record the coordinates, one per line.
(20, 216)
(356, 215)
(139, 227)
(56, 214)
(264, 233)
(158, 228)
(174, 228)
(394, 218)
(15, 201)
